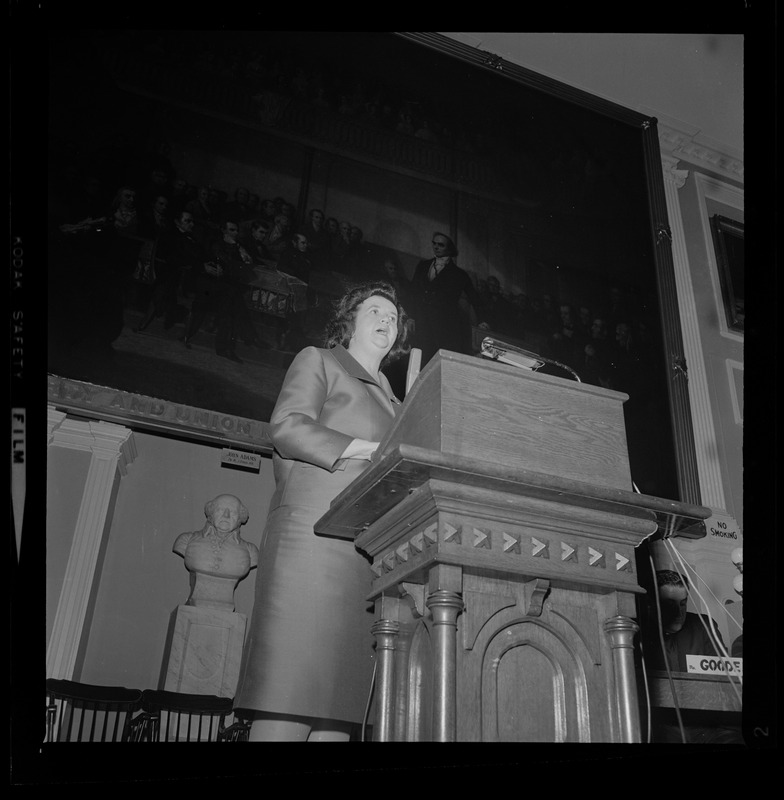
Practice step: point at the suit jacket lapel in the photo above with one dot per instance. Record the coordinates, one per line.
(383, 395)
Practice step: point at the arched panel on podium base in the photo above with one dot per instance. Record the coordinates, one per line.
(532, 688)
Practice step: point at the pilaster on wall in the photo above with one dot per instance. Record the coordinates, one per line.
(112, 449)
(708, 560)
(708, 467)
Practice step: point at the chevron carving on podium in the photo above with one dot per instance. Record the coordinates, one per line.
(481, 539)
(541, 549)
(389, 561)
(431, 534)
(568, 553)
(595, 558)
(622, 563)
(451, 533)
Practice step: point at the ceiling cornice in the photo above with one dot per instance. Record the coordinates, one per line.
(685, 142)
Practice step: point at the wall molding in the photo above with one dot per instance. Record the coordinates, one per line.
(142, 412)
(687, 144)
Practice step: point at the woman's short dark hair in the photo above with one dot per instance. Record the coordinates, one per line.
(340, 327)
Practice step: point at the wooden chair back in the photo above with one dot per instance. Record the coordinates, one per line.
(81, 712)
(179, 717)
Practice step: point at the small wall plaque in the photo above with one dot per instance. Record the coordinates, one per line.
(238, 459)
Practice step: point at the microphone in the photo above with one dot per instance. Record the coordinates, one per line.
(517, 357)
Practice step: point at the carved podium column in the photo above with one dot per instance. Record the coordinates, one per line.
(620, 631)
(445, 606)
(501, 526)
(385, 631)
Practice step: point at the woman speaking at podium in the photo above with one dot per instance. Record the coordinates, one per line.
(308, 660)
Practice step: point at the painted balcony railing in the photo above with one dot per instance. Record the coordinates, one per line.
(241, 101)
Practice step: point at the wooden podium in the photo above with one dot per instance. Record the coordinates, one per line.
(501, 523)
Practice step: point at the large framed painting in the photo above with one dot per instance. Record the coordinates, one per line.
(336, 157)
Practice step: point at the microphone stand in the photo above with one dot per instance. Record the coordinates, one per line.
(517, 357)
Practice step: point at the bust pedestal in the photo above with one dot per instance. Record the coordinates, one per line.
(205, 652)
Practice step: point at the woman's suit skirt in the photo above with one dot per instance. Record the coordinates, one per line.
(309, 650)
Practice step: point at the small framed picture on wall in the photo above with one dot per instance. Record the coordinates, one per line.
(728, 241)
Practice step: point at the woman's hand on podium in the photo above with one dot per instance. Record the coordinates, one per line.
(360, 448)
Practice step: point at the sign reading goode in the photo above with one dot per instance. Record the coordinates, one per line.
(713, 665)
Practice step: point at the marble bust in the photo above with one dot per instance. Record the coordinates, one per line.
(216, 557)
